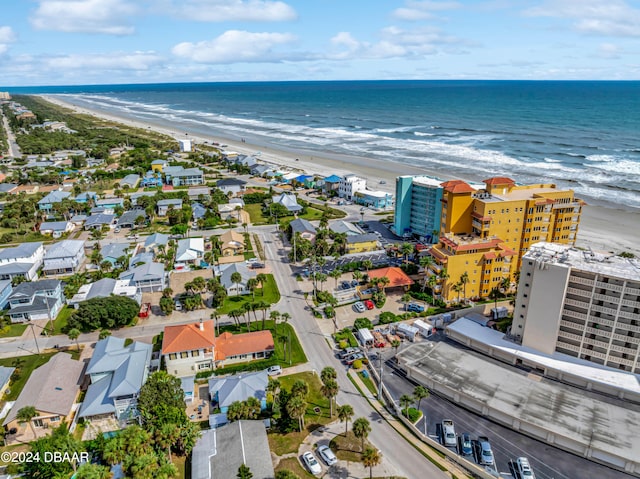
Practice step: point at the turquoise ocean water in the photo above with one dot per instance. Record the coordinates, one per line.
(584, 135)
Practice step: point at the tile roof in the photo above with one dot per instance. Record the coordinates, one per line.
(396, 276)
(228, 344)
(187, 337)
(457, 186)
(499, 180)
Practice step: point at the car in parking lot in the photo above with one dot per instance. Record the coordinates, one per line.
(360, 307)
(465, 444)
(347, 352)
(369, 304)
(353, 358)
(354, 283)
(523, 469)
(327, 455)
(415, 308)
(485, 454)
(311, 462)
(274, 370)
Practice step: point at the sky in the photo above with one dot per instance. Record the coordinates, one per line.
(78, 42)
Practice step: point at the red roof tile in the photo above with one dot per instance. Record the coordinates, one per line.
(396, 276)
(187, 337)
(457, 186)
(499, 180)
(228, 344)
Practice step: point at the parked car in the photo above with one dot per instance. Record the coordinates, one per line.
(347, 352)
(327, 455)
(345, 285)
(354, 283)
(485, 454)
(448, 433)
(117, 229)
(415, 308)
(523, 469)
(465, 444)
(178, 306)
(369, 304)
(353, 358)
(312, 464)
(274, 370)
(360, 307)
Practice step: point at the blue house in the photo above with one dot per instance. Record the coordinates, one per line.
(152, 179)
(5, 291)
(46, 203)
(224, 391)
(85, 197)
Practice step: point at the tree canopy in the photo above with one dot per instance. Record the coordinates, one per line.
(103, 313)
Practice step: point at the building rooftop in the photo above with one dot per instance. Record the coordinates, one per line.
(64, 249)
(23, 250)
(427, 181)
(187, 337)
(592, 261)
(396, 276)
(239, 387)
(228, 344)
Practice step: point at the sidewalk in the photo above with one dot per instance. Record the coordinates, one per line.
(450, 468)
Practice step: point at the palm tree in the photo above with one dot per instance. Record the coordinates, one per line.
(457, 288)
(368, 264)
(275, 315)
(167, 292)
(261, 278)
(345, 413)
(252, 284)
(327, 374)
(443, 276)
(406, 299)
(273, 387)
(464, 279)
(432, 281)
(361, 429)
(300, 388)
(505, 285)
(73, 336)
(236, 278)
(330, 391)
(382, 282)
(406, 400)
(406, 249)
(494, 294)
(396, 344)
(26, 414)
(357, 275)
(104, 333)
(335, 274)
(420, 393)
(215, 316)
(296, 407)
(370, 458)
(166, 436)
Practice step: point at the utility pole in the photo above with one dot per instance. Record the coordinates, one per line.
(380, 381)
(34, 337)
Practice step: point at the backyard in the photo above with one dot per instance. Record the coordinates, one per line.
(268, 293)
(312, 213)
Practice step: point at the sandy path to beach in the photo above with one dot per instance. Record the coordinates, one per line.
(601, 228)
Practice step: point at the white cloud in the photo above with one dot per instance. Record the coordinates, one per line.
(235, 46)
(600, 17)
(422, 10)
(7, 36)
(234, 10)
(87, 16)
(115, 61)
(609, 51)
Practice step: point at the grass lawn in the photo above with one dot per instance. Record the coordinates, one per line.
(255, 213)
(269, 293)
(348, 448)
(292, 464)
(12, 330)
(281, 443)
(369, 383)
(62, 319)
(24, 367)
(181, 464)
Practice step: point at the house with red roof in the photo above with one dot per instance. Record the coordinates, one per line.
(191, 348)
(397, 277)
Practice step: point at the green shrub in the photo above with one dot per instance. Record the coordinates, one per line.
(329, 312)
(346, 335)
(362, 323)
(357, 364)
(387, 317)
(414, 414)
(343, 344)
(379, 298)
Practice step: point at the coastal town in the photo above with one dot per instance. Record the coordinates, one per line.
(172, 308)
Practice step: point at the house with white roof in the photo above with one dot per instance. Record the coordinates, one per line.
(22, 260)
(130, 181)
(64, 257)
(289, 201)
(187, 177)
(117, 373)
(163, 206)
(225, 272)
(114, 252)
(56, 228)
(227, 390)
(104, 288)
(148, 277)
(189, 251)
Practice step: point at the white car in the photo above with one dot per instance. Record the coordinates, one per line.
(360, 307)
(327, 455)
(274, 370)
(312, 464)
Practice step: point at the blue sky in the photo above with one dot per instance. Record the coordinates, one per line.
(66, 42)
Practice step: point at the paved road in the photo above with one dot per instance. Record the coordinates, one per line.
(548, 462)
(14, 149)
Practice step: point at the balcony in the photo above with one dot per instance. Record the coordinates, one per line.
(607, 298)
(573, 337)
(594, 354)
(617, 360)
(626, 339)
(578, 304)
(579, 280)
(570, 347)
(632, 291)
(627, 327)
(611, 287)
(602, 309)
(623, 350)
(596, 343)
(629, 303)
(575, 314)
(572, 325)
(579, 292)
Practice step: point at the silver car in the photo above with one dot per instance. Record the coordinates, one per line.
(312, 464)
(327, 455)
(360, 307)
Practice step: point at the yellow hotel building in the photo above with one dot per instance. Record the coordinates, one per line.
(484, 232)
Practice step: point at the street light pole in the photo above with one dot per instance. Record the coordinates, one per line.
(34, 337)
(380, 381)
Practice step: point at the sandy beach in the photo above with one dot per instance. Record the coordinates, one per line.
(601, 228)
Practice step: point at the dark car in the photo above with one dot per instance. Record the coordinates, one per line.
(465, 444)
(415, 308)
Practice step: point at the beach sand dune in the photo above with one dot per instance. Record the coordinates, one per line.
(601, 228)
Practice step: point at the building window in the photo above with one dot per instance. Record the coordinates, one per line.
(173, 356)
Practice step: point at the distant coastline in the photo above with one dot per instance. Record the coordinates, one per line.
(602, 228)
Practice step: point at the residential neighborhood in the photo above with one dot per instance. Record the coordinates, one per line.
(229, 312)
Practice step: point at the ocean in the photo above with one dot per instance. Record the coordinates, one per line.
(579, 134)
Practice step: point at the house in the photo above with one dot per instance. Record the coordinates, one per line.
(46, 203)
(190, 251)
(361, 243)
(136, 196)
(129, 218)
(64, 257)
(198, 211)
(289, 201)
(231, 243)
(99, 220)
(86, 197)
(185, 145)
(159, 165)
(52, 390)
(148, 278)
(345, 227)
(240, 387)
(231, 185)
(34, 300)
(104, 288)
(260, 169)
(188, 348)
(56, 228)
(141, 258)
(228, 211)
(199, 193)
(6, 289)
(110, 203)
(8, 188)
(236, 348)
(114, 252)
(156, 242)
(130, 181)
(78, 220)
(397, 277)
(330, 183)
(169, 171)
(220, 452)
(5, 378)
(235, 289)
(163, 206)
(373, 198)
(304, 228)
(349, 185)
(101, 210)
(117, 373)
(151, 179)
(187, 177)
(22, 260)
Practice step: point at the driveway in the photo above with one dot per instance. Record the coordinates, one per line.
(178, 280)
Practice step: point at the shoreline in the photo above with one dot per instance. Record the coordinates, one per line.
(601, 228)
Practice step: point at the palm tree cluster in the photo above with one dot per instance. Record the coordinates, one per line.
(330, 387)
(296, 405)
(248, 409)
